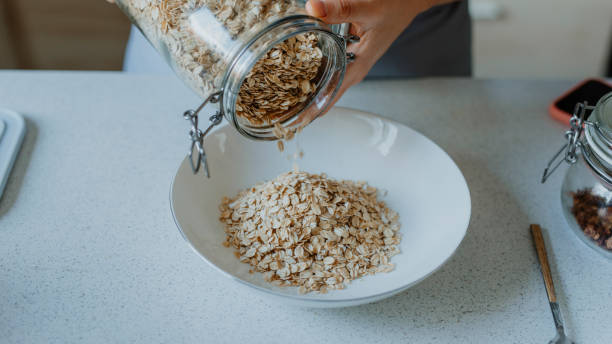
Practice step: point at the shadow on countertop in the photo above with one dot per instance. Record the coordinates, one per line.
(15, 180)
(485, 277)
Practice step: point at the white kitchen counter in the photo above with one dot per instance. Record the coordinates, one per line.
(89, 251)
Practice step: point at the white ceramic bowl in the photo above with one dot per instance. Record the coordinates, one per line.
(424, 186)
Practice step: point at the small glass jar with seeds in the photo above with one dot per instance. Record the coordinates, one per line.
(586, 192)
(269, 66)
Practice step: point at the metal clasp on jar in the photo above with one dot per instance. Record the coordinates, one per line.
(577, 124)
(344, 33)
(197, 155)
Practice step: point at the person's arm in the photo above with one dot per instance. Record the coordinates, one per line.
(377, 22)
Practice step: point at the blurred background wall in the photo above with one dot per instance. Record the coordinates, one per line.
(543, 38)
(62, 34)
(512, 38)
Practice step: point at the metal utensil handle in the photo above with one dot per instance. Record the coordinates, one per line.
(196, 135)
(556, 313)
(538, 241)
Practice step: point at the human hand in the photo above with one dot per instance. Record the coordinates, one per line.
(377, 22)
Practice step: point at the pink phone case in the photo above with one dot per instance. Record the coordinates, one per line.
(561, 115)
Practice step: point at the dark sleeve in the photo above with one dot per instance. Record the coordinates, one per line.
(437, 43)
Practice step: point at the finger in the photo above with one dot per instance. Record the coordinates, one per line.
(316, 9)
(339, 11)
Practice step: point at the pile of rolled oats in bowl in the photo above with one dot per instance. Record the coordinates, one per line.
(310, 231)
(281, 81)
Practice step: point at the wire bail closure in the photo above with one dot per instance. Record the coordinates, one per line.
(577, 124)
(344, 33)
(350, 56)
(196, 135)
(197, 154)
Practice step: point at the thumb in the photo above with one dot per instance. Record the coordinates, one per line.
(337, 11)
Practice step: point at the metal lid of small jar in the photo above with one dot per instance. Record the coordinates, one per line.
(596, 146)
(603, 115)
(592, 135)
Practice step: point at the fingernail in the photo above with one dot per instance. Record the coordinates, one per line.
(316, 8)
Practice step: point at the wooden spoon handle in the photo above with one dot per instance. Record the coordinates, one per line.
(538, 241)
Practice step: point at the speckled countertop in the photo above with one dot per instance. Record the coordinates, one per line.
(89, 251)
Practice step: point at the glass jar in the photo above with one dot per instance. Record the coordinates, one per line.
(214, 46)
(586, 193)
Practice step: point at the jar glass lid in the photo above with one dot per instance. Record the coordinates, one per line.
(598, 149)
(592, 134)
(603, 115)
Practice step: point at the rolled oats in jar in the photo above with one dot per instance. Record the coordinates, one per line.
(265, 62)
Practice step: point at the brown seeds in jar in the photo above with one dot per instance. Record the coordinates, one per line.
(594, 216)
